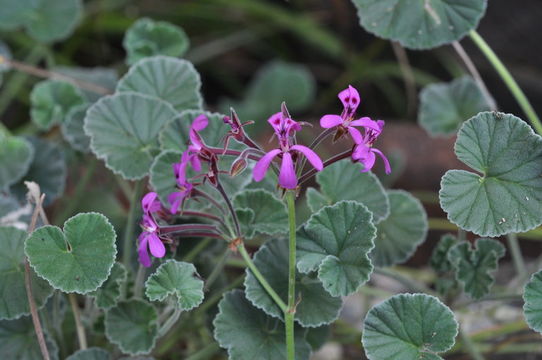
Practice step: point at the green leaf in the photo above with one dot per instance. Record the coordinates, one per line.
(249, 333)
(473, 268)
(78, 260)
(8, 204)
(507, 197)
(179, 279)
(92, 353)
(104, 77)
(398, 236)
(16, 155)
(48, 169)
(344, 181)
(109, 293)
(270, 214)
(73, 131)
(12, 287)
(175, 135)
(439, 258)
(18, 341)
(14, 13)
(51, 100)
(444, 106)
(132, 325)
(123, 131)
(53, 20)
(147, 37)
(317, 337)
(274, 83)
(336, 241)
(316, 307)
(532, 295)
(420, 24)
(172, 80)
(409, 327)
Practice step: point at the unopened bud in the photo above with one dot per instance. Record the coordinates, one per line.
(238, 166)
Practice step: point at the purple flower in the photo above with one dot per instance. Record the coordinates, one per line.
(364, 152)
(149, 239)
(345, 122)
(177, 198)
(284, 128)
(197, 145)
(150, 203)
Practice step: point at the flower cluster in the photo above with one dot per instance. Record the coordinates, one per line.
(287, 160)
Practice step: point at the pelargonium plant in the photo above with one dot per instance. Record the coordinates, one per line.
(255, 232)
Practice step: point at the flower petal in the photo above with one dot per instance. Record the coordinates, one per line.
(149, 202)
(356, 135)
(174, 200)
(200, 123)
(313, 158)
(287, 177)
(275, 121)
(387, 166)
(156, 246)
(368, 161)
(350, 99)
(263, 164)
(367, 122)
(329, 121)
(144, 258)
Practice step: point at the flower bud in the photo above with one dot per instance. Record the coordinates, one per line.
(238, 166)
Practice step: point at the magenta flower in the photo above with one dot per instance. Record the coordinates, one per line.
(364, 152)
(149, 239)
(345, 122)
(176, 199)
(284, 128)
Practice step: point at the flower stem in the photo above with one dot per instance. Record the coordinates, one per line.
(219, 267)
(130, 224)
(78, 324)
(517, 258)
(230, 208)
(289, 314)
(261, 279)
(138, 282)
(508, 80)
(170, 322)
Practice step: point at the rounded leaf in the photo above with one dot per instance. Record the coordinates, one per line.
(507, 196)
(423, 24)
(416, 326)
(18, 341)
(133, 326)
(270, 214)
(51, 101)
(53, 20)
(532, 295)
(105, 77)
(444, 106)
(172, 80)
(398, 236)
(14, 13)
(92, 353)
(336, 242)
(344, 181)
(179, 279)
(73, 131)
(109, 293)
(16, 155)
(249, 333)
(315, 308)
(147, 37)
(78, 259)
(12, 287)
(439, 257)
(123, 130)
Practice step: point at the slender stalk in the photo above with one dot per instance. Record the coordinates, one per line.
(205, 353)
(199, 193)
(508, 80)
(517, 258)
(230, 208)
(130, 224)
(470, 347)
(188, 213)
(261, 279)
(138, 282)
(289, 314)
(197, 249)
(475, 74)
(219, 267)
(81, 336)
(169, 322)
(408, 76)
(187, 227)
(28, 285)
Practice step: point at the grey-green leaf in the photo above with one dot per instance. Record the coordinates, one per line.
(78, 259)
(344, 181)
(248, 333)
(422, 24)
(532, 308)
(444, 106)
(123, 131)
(109, 293)
(439, 257)
(92, 353)
(316, 307)
(106, 78)
(16, 155)
(473, 268)
(409, 327)
(53, 20)
(73, 128)
(507, 196)
(336, 242)
(18, 341)
(172, 80)
(51, 101)
(179, 279)
(398, 236)
(132, 325)
(147, 37)
(270, 214)
(12, 287)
